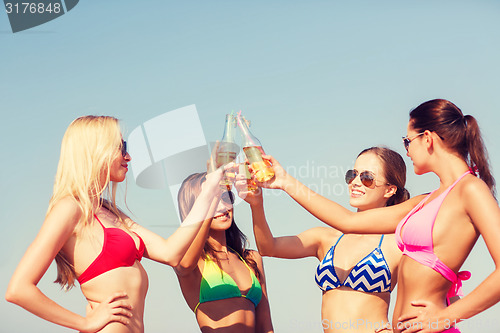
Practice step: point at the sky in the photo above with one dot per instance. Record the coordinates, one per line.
(319, 81)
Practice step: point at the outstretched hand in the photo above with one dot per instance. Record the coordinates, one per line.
(114, 309)
(213, 179)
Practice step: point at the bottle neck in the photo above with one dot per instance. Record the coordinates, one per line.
(228, 135)
(249, 140)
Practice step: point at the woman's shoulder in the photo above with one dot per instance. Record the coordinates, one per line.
(471, 184)
(475, 193)
(324, 234)
(63, 217)
(67, 207)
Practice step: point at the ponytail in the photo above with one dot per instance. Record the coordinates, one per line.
(478, 156)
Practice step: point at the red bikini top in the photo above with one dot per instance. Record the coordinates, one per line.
(118, 250)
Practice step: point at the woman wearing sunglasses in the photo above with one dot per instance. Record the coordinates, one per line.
(222, 282)
(435, 232)
(356, 273)
(93, 242)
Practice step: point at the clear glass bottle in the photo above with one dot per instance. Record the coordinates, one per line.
(253, 151)
(226, 153)
(243, 170)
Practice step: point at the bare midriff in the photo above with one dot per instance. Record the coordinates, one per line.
(346, 310)
(418, 282)
(134, 281)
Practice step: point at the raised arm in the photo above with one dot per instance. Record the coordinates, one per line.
(22, 290)
(263, 322)
(190, 259)
(172, 250)
(374, 221)
(303, 245)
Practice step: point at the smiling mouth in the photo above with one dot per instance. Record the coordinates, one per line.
(224, 215)
(356, 193)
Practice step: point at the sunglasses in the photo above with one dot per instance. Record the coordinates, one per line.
(124, 148)
(407, 140)
(367, 177)
(227, 197)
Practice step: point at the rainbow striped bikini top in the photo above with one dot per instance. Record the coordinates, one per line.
(372, 274)
(217, 284)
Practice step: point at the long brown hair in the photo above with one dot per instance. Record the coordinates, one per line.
(235, 239)
(460, 134)
(394, 172)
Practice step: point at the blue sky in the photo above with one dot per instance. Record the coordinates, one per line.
(320, 81)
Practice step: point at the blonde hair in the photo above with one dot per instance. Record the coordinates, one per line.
(88, 148)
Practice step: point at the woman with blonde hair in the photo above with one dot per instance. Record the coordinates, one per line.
(222, 282)
(94, 242)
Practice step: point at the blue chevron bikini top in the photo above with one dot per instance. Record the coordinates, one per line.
(371, 274)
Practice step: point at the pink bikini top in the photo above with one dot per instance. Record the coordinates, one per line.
(415, 239)
(118, 250)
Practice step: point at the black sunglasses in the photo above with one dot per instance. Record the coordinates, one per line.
(367, 177)
(407, 140)
(227, 197)
(124, 148)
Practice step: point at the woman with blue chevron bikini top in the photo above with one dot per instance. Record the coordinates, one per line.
(355, 272)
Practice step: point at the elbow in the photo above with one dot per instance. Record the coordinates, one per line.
(265, 251)
(182, 270)
(12, 295)
(185, 267)
(175, 262)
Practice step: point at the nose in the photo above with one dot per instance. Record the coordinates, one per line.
(356, 181)
(127, 157)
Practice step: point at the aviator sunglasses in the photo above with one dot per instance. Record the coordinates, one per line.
(367, 177)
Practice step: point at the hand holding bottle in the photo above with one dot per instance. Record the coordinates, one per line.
(281, 177)
(250, 195)
(215, 176)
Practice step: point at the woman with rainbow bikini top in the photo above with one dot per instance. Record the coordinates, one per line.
(93, 242)
(356, 273)
(222, 282)
(440, 231)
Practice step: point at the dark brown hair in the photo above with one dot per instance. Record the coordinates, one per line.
(235, 239)
(394, 172)
(459, 133)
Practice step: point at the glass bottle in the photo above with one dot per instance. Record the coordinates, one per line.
(243, 170)
(253, 151)
(226, 153)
